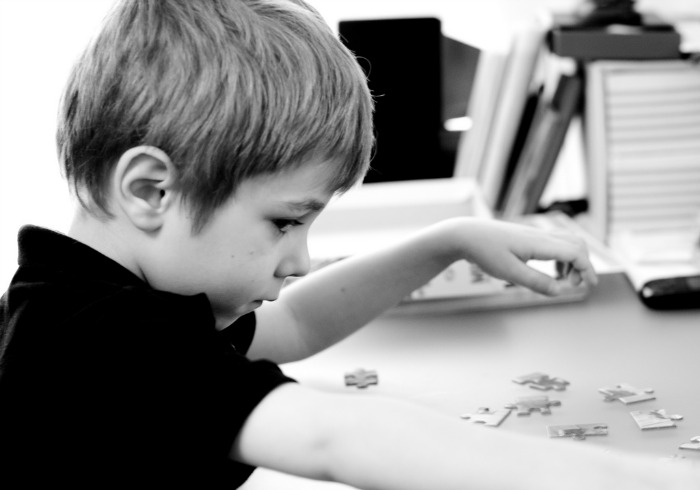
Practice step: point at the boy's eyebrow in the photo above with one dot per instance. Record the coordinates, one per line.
(305, 205)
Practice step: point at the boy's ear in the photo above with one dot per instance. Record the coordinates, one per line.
(143, 186)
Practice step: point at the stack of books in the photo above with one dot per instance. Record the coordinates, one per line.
(642, 122)
(629, 93)
(522, 103)
(506, 89)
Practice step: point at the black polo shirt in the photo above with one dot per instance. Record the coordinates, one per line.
(105, 380)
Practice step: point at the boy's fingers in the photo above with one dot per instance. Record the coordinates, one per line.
(572, 255)
(545, 284)
(585, 273)
(575, 277)
(536, 280)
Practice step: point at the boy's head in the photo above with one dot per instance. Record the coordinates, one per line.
(228, 89)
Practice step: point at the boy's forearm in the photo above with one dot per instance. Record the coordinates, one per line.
(372, 442)
(340, 298)
(401, 446)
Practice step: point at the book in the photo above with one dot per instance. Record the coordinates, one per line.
(642, 134)
(526, 51)
(530, 112)
(481, 107)
(542, 148)
(465, 287)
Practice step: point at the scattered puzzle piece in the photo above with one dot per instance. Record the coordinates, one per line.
(627, 394)
(578, 431)
(542, 381)
(361, 378)
(693, 445)
(486, 416)
(528, 404)
(654, 419)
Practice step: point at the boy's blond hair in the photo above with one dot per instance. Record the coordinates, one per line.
(229, 89)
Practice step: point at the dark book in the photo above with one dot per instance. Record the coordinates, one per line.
(542, 148)
(531, 105)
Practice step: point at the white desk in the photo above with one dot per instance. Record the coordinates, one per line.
(459, 362)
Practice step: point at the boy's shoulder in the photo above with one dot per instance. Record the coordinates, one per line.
(61, 281)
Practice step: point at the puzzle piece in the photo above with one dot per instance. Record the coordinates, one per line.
(528, 404)
(578, 431)
(486, 416)
(542, 381)
(693, 445)
(627, 394)
(654, 419)
(361, 378)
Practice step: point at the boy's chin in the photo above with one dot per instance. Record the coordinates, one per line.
(247, 308)
(224, 319)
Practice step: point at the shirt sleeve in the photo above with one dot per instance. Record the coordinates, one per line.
(191, 390)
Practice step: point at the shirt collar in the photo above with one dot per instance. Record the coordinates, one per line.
(42, 247)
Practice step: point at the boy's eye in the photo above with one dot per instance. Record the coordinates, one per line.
(284, 225)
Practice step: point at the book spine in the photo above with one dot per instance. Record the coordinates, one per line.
(527, 46)
(542, 148)
(596, 153)
(481, 108)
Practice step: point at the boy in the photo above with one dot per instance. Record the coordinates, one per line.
(202, 139)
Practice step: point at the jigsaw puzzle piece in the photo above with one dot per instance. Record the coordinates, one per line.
(528, 404)
(627, 394)
(654, 419)
(577, 431)
(542, 381)
(486, 416)
(361, 378)
(693, 445)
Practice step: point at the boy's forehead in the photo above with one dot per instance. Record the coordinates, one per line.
(305, 188)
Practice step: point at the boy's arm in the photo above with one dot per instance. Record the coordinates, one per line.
(371, 442)
(321, 309)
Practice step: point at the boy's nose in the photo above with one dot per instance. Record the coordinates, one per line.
(296, 263)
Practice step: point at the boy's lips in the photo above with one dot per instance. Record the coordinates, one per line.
(258, 302)
(271, 297)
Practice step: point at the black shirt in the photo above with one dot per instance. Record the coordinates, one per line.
(105, 380)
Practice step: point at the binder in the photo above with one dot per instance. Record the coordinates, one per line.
(642, 138)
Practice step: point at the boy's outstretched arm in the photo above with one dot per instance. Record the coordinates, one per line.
(326, 306)
(371, 442)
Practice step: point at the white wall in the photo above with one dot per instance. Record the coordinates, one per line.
(39, 39)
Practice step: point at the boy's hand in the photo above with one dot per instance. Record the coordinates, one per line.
(502, 250)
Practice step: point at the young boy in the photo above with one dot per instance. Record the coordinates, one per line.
(202, 139)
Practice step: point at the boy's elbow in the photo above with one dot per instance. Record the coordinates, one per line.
(295, 430)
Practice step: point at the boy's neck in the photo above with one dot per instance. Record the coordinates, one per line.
(107, 237)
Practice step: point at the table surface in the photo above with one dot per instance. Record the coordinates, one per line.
(459, 361)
